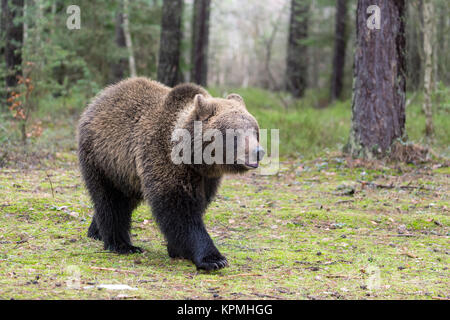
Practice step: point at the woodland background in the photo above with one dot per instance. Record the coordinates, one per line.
(360, 206)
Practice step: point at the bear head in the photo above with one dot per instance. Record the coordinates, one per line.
(224, 135)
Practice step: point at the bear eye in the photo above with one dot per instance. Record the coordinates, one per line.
(208, 117)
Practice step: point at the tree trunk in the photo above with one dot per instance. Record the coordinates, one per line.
(414, 44)
(442, 55)
(170, 43)
(340, 44)
(379, 80)
(25, 22)
(13, 24)
(297, 58)
(428, 31)
(2, 53)
(200, 42)
(118, 68)
(126, 30)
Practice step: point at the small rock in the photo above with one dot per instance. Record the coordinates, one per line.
(401, 229)
(74, 214)
(337, 225)
(437, 223)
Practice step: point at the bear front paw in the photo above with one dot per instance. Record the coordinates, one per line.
(123, 248)
(212, 262)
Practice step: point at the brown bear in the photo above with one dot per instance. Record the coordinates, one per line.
(125, 142)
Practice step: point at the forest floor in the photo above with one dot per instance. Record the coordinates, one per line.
(329, 228)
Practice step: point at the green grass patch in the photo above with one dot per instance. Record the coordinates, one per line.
(287, 236)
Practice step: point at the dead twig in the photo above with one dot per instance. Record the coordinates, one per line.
(113, 270)
(234, 276)
(391, 186)
(51, 184)
(341, 276)
(405, 252)
(408, 235)
(439, 298)
(344, 201)
(48, 177)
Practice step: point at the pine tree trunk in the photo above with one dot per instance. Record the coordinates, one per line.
(200, 42)
(379, 81)
(340, 44)
(13, 41)
(428, 30)
(297, 57)
(170, 43)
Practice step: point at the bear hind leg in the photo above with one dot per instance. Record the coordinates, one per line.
(93, 231)
(112, 219)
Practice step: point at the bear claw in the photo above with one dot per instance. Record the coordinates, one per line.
(124, 249)
(212, 262)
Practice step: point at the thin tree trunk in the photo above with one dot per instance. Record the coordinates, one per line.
(379, 80)
(170, 43)
(3, 26)
(443, 55)
(126, 30)
(428, 30)
(340, 44)
(297, 57)
(200, 42)
(118, 68)
(39, 23)
(272, 83)
(414, 44)
(14, 41)
(25, 22)
(2, 54)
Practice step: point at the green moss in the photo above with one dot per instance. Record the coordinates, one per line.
(288, 236)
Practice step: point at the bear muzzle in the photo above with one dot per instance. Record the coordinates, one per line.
(257, 154)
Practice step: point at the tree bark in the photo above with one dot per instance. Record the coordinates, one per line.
(200, 42)
(414, 45)
(170, 43)
(13, 40)
(379, 80)
(25, 22)
(2, 54)
(129, 43)
(442, 55)
(297, 58)
(428, 31)
(118, 68)
(340, 44)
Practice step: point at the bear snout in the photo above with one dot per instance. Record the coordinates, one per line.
(259, 153)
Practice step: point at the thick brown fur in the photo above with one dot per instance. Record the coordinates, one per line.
(124, 139)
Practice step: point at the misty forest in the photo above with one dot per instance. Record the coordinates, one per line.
(358, 206)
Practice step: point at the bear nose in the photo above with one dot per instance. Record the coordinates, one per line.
(259, 152)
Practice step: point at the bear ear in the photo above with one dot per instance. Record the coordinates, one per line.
(236, 97)
(202, 109)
